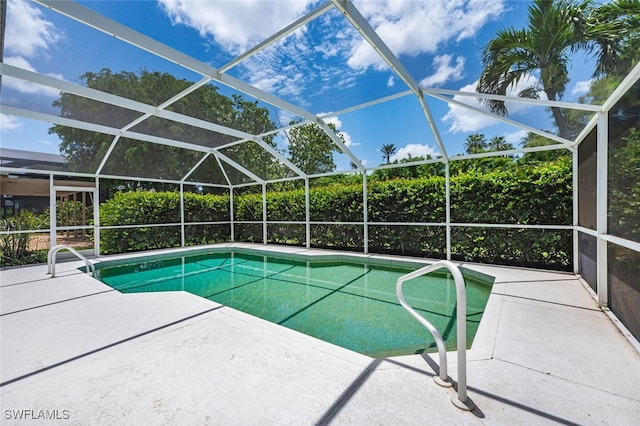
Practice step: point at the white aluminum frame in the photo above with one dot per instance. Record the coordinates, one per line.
(90, 18)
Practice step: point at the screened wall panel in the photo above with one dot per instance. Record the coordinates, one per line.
(248, 232)
(209, 206)
(407, 240)
(206, 234)
(543, 248)
(258, 160)
(587, 181)
(134, 158)
(624, 286)
(335, 203)
(624, 166)
(24, 204)
(181, 132)
(209, 171)
(337, 236)
(497, 191)
(287, 233)
(124, 240)
(587, 259)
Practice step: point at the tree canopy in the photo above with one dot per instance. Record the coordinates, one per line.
(84, 150)
(311, 149)
(554, 30)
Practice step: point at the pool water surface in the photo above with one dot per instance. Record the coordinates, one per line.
(348, 302)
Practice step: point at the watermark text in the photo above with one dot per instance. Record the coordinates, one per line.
(36, 414)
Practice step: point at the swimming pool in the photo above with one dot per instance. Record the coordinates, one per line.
(344, 300)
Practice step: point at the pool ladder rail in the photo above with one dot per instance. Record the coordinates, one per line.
(461, 400)
(51, 259)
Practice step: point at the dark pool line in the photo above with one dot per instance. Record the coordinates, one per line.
(173, 277)
(323, 297)
(375, 299)
(275, 273)
(330, 289)
(258, 279)
(309, 294)
(339, 290)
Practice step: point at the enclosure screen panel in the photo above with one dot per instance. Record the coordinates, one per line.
(624, 166)
(587, 181)
(624, 286)
(587, 259)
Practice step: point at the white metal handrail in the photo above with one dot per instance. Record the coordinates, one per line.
(461, 401)
(51, 259)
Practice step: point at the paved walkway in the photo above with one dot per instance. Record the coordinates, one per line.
(75, 350)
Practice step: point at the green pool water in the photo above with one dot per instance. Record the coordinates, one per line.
(346, 302)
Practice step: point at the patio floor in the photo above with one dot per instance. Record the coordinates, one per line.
(75, 350)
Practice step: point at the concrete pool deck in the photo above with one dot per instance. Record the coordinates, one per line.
(75, 350)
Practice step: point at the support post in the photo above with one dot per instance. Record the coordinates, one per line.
(602, 188)
(447, 189)
(576, 250)
(307, 212)
(264, 213)
(182, 239)
(365, 213)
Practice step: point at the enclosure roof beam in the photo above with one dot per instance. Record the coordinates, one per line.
(623, 88)
(559, 104)
(358, 21)
(83, 125)
(120, 101)
(147, 110)
(195, 167)
(503, 119)
(238, 167)
(367, 104)
(319, 11)
(271, 150)
(101, 23)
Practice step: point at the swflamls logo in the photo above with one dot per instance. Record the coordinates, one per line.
(31, 414)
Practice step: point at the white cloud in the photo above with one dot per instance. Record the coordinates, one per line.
(445, 71)
(9, 122)
(27, 32)
(235, 25)
(297, 69)
(413, 27)
(288, 68)
(391, 82)
(348, 139)
(514, 138)
(24, 86)
(466, 120)
(413, 150)
(581, 87)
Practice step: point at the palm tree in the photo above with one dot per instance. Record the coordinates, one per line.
(610, 32)
(475, 143)
(499, 143)
(544, 46)
(387, 151)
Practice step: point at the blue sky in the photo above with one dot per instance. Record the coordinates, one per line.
(323, 67)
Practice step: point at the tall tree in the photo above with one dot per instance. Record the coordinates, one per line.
(84, 150)
(498, 143)
(311, 149)
(532, 140)
(544, 46)
(611, 33)
(555, 29)
(387, 151)
(599, 91)
(475, 143)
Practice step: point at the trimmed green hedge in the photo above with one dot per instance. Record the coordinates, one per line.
(538, 195)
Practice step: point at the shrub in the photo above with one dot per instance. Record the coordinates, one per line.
(531, 195)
